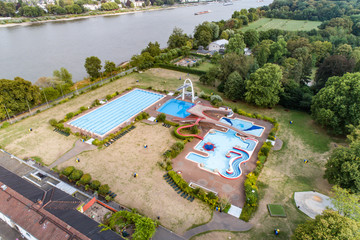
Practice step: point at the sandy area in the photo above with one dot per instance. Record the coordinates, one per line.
(148, 193)
(219, 236)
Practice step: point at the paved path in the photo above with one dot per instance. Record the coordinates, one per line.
(278, 145)
(77, 149)
(165, 234)
(220, 221)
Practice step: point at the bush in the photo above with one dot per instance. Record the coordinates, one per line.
(76, 175)
(182, 69)
(67, 171)
(53, 122)
(95, 185)
(69, 115)
(83, 108)
(215, 99)
(161, 117)
(104, 189)
(85, 179)
(97, 142)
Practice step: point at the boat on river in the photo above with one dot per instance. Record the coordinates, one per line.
(199, 13)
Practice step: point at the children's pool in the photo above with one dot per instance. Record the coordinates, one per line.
(109, 116)
(238, 150)
(176, 108)
(245, 126)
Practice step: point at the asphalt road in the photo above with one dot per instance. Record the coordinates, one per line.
(8, 233)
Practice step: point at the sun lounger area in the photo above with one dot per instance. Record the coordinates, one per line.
(61, 132)
(119, 136)
(182, 194)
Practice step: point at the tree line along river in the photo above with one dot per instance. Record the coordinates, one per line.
(36, 50)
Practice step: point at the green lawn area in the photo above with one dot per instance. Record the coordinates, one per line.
(276, 210)
(205, 66)
(264, 24)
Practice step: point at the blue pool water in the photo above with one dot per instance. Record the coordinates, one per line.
(105, 118)
(176, 108)
(244, 126)
(224, 142)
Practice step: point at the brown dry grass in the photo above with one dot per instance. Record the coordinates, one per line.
(48, 145)
(219, 236)
(149, 192)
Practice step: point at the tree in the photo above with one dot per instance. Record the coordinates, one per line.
(93, 67)
(63, 75)
(264, 86)
(177, 39)
(251, 38)
(344, 50)
(104, 189)
(278, 49)
(343, 167)
(153, 49)
(296, 96)
(332, 66)
(262, 52)
(204, 38)
(346, 203)
(203, 34)
(330, 225)
(236, 44)
(338, 104)
(109, 67)
(76, 175)
(234, 87)
(321, 50)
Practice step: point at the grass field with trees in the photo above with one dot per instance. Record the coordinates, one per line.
(265, 24)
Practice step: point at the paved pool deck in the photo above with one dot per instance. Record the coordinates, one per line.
(232, 189)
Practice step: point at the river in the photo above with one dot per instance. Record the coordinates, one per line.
(36, 50)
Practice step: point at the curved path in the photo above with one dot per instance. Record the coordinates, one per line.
(77, 149)
(220, 221)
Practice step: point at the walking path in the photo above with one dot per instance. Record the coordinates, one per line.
(77, 149)
(220, 221)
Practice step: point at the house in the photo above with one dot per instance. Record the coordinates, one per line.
(218, 45)
(45, 214)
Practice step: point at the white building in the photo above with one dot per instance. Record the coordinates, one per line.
(218, 45)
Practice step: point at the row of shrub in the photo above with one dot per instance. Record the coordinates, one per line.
(181, 69)
(81, 179)
(250, 184)
(214, 99)
(209, 198)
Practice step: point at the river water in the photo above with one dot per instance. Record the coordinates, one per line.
(33, 51)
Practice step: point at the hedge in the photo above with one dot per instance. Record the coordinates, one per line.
(180, 136)
(181, 69)
(209, 198)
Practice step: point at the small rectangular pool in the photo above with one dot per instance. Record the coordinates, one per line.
(109, 116)
(176, 108)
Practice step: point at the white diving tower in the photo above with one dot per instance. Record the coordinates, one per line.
(185, 92)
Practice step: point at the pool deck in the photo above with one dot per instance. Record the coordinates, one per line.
(232, 189)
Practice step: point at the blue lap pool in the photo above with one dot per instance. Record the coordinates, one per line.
(228, 153)
(176, 108)
(109, 116)
(245, 126)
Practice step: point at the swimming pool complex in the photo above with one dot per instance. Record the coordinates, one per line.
(109, 116)
(245, 126)
(229, 152)
(176, 108)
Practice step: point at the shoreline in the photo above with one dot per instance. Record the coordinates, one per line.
(90, 16)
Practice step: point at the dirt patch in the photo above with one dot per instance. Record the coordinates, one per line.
(220, 236)
(149, 192)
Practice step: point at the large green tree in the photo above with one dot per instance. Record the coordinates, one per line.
(234, 86)
(17, 95)
(328, 226)
(63, 75)
(177, 39)
(251, 38)
(93, 67)
(343, 167)
(346, 203)
(338, 104)
(236, 44)
(264, 86)
(109, 67)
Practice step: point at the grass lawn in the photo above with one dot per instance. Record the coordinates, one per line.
(264, 24)
(205, 66)
(283, 174)
(276, 210)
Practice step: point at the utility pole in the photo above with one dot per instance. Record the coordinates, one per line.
(46, 99)
(7, 113)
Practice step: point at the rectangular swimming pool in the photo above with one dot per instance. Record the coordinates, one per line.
(176, 108)
(109, 116)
